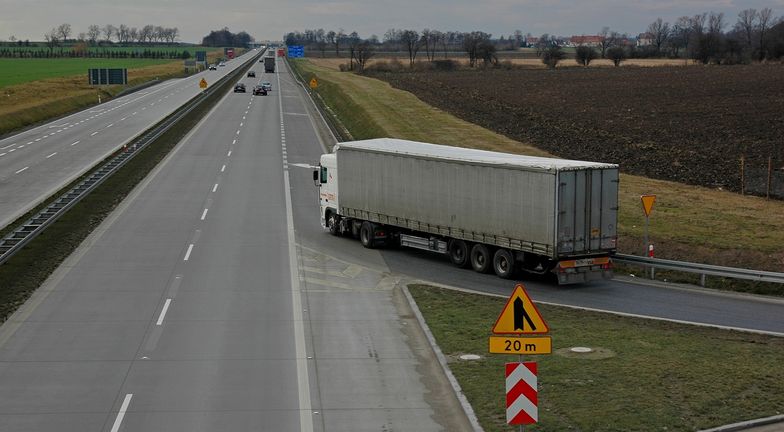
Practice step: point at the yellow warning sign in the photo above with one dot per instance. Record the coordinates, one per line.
(520, 315)
(521, 345)
(313, 83)
(647, 203)
(203, 83)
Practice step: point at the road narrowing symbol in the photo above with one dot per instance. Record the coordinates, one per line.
(520, 316)
(203, 83)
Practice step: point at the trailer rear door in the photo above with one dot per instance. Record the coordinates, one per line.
(587, 211)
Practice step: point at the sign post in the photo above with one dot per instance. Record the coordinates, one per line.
(647, 208)
(520, 317)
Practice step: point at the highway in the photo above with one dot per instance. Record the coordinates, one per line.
(192, 308)
(38, 162)
(211, 299)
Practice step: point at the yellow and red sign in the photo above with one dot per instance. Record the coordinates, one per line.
(520, 315)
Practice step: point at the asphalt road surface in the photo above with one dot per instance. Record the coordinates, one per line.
(38, 162)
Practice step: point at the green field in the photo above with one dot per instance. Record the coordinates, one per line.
(18, 71)
(109, 48)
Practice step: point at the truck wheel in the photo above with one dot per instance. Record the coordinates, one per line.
(481, 258)
(503, 264)
(366, 236)
(333, 223)
(458, 253)
(355, 226)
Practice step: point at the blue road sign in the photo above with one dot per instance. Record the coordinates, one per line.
(296, 51)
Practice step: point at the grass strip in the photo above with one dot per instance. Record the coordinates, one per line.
(29, 268)
(643, 375)
(688, 223)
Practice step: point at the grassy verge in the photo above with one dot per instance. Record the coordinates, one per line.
(688, 223)
(643, 375)
(29, 268)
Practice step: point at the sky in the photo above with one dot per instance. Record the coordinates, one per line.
(271, 19)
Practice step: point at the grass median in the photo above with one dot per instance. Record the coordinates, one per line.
(688, 223)
(643, 375)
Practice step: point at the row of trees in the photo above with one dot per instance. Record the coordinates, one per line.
(225, 38)
(82, 50)
(95, 34)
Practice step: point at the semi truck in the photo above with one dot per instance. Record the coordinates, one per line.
(490, 211)
(269, 64)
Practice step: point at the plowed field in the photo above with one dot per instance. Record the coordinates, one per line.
(691, 125)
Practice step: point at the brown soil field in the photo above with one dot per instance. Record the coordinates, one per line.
(695, 125)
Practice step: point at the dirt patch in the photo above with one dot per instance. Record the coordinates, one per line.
(707, 126)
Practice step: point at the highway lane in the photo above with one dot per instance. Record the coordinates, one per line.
(190, 308)
(36, 163)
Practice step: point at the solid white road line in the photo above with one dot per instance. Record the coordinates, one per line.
(121, 414)
(303, 381)
(163, 312)
(204, 214)
(188, 253)
(51, 155)
(22, 169)
(214, 188)
(3, 148)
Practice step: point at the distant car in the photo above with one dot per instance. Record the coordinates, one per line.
(212, 67)
(222, 64)
(251, 74)
(259, 91)
(267, 86)
(239, 88)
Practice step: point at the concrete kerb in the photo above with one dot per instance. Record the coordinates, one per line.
(749, 424)
(469, 411)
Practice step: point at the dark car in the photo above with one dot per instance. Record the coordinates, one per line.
(239, 88)
(212, 67)
(251, 74)
(259, 91)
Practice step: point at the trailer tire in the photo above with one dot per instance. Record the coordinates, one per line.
(354, 228)
(458, 253)
(333, 223)
(366, 236)
(503, 264)
(481, 258)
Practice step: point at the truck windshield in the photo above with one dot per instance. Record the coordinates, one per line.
(323, 174)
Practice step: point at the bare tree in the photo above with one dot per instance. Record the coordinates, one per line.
(51, 39)
(584, 55)
(607, 39)
(64, 31)
(660, 32)
(93, 33)
(108, 31)
(410, 39)
(473, 43)
(364, 51)
(174, 34)
(617, 55)
(133, 34)
(747, 22)
(146, 33)
(552, 55)
(518, 37)
(682, 33)
(763, 25)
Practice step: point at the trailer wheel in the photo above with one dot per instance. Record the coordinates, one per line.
(355, 226)
(481, 258)
(458, 253)
(366, 236)
(503, 264)
(333, 223)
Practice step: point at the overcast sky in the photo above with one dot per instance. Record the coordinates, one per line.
(270, 19)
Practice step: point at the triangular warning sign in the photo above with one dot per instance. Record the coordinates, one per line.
(647, 203)
(520, 315)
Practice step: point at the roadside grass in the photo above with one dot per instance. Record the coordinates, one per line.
(31, 266)
(29, 103)
(643, 375)
(688, 223)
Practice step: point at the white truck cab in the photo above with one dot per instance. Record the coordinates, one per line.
(327, 177)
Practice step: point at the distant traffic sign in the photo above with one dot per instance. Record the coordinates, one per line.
(647, 203)
(296, 51)
(203, 83)
(313, 83)
(107, 76)
(520, 315)
(521, 345)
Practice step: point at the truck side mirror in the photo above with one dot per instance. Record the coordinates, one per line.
(315, 177)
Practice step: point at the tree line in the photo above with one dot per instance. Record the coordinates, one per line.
(225, 38)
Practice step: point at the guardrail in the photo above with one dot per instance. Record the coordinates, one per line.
(27, 231)
(702, 269)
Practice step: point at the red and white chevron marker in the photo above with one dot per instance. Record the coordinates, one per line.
(521, 390)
